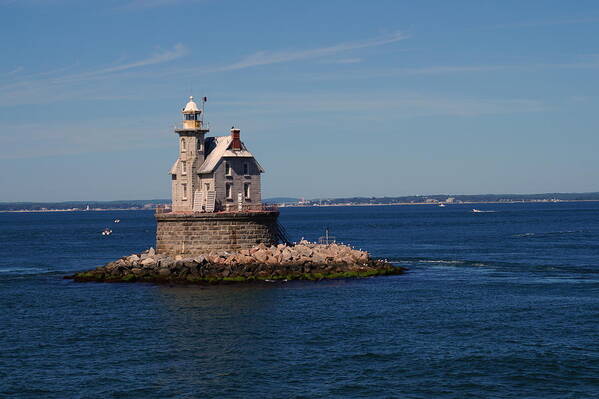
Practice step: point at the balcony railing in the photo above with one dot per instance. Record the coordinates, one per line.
(250, 208)
(230, 208)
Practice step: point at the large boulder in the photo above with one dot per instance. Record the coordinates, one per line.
(164, 272)
(272, 260)
(148, 262)
(166, 263)
(261, 256)
(200, 259)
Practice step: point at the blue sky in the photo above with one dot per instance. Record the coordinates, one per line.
(335, 98)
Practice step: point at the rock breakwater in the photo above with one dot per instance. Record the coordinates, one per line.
(302, 261)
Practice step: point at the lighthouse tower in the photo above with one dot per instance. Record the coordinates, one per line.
(184, 176)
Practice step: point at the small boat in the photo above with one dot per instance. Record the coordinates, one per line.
(106, 232)
(442, 205)
(479, 211)
(117, 220)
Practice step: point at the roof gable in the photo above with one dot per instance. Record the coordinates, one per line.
(217, 148)
(173, 170)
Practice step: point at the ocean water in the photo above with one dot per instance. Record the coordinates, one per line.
(501, 304)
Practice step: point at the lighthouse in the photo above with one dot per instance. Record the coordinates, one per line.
(213, 174)
(184, 176)
(216, 194)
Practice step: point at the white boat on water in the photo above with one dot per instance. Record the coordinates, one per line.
(442, 205)
(106, 232)
(117, 220)
(476, 210)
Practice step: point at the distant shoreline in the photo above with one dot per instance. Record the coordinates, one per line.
(437, 203)
(74, 210)
(312, 205)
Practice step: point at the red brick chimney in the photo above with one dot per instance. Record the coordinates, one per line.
(235, 141)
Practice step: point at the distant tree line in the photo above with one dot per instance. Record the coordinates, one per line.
(150, 204)
(38, 206)
(463, 198)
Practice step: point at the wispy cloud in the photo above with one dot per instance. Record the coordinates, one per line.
(53, 86)
(14, 71)
(56, 86)
(347, 61)
(588, 62)
(434, 70)
(111, 134)
(35, 3)
(55, 138)
(140, 4)
(178, 51)
(392, 105)
(274, 57)
(549, 22)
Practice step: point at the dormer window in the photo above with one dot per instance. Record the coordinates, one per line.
(246, 169)
(227, 169)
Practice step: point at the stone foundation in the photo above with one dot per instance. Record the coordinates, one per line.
(303, 261)
(200, 233)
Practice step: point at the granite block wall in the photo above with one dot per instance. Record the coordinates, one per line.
(201, 233)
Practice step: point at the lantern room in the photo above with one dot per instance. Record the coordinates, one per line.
(192, 115)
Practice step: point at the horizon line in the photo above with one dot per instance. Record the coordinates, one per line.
(317, 198)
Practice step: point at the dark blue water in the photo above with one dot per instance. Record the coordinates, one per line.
(502, 304)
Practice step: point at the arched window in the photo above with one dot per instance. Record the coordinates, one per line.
(183, 145)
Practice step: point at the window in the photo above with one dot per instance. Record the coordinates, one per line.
(183, 145)
(227, 169)
(199, 145)
(246, 190)
(207, 186)
(183, 168)
(246, 169)
(229, 190)
(184, 191)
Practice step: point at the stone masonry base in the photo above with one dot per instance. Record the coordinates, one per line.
(193, 234)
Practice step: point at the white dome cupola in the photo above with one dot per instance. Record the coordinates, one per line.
(191, 115)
